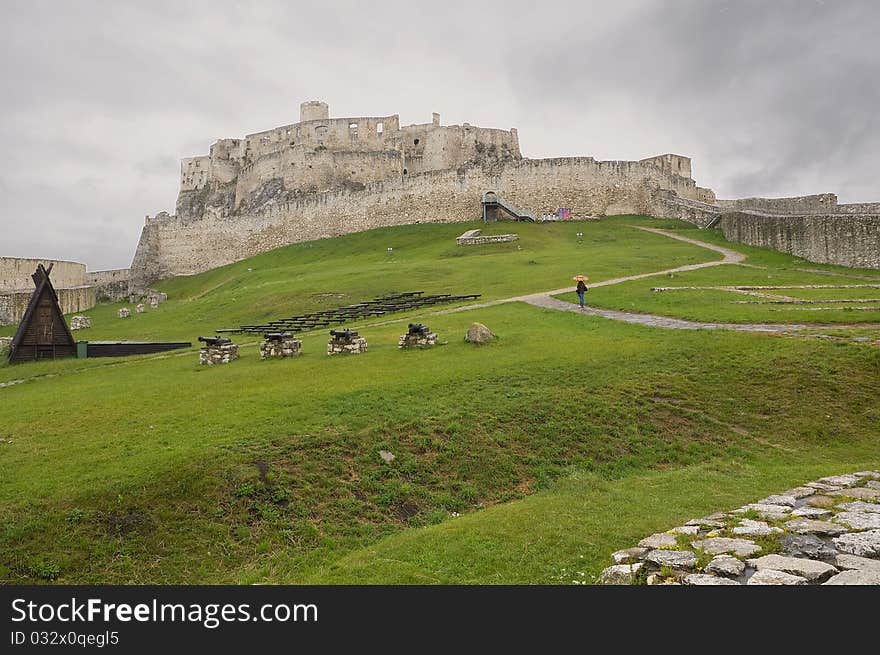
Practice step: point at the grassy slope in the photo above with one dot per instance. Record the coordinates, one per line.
(332, 272)
(157, 470)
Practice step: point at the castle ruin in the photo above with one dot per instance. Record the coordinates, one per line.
(323, 177)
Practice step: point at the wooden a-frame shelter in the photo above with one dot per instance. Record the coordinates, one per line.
(43, 332)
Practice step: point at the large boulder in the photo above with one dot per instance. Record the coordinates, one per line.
(479, 334)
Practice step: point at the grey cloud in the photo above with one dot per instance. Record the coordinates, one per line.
(103, 98)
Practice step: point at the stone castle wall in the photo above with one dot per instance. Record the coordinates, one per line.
(13, 304)
(845, 239)
(15, 273)
(172, 245)
(110, 285)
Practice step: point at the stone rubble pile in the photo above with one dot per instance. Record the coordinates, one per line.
(824, 532)
(124, 312)
(140, 309)
(5, 342)
(283, 345)
(80, 322)
(220, 354)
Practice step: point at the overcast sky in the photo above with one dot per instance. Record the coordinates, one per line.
(100, 100)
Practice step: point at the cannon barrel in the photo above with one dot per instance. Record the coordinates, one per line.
(418, 328)
(345, 334)
(215, 341)
(277, 336)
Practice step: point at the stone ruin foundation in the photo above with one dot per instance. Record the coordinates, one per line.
(346, 342)
(417, 336)
(825, 532)
(125, 312)
(80, 322)
(140, 308)
(217, 350)
(280, 344)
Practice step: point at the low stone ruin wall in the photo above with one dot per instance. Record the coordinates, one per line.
(473, 238)
(222, 354)
(286, 347)
(354, 346)
(824, 532)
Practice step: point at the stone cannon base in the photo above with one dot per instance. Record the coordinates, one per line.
(355, 346)
(280, 348)
(417, 340)
(218, 354)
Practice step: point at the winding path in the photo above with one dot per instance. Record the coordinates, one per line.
(545, 299)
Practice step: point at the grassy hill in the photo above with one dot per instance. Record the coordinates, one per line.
(527, 460)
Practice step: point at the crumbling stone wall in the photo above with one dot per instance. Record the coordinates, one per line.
(845, 239)
(15, 273)
(110, 285)
(173, 245)
(13, 304)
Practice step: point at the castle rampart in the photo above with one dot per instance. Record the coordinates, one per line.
(324, 177)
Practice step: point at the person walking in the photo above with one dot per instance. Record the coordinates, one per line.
(581, 288)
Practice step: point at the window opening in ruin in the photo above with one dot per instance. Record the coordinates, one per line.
(352, 126)
(415, 142)
(404, 171)
(380, 127)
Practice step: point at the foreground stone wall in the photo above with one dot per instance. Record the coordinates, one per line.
(845, 239)
(172, 245)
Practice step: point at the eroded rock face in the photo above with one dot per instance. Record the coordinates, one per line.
(726, 565)
(676, 559)
(659, 540)
(701, 579)
(749, 528)
(620, 574)
(863, 544)
(771, 577)
(859, 493)
(810, 569)
(479, 334)
(628, 555)
(859, 520)
(856, 577)
(860, 506)
(845, 561)
(810, 526)
(811, 512)
(719, 545)
(807, 545)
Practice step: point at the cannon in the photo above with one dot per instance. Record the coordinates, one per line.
(344, 334)
(215, 341)
(418, 329)
(277, 336)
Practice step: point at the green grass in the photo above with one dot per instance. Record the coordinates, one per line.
(762, 267)
(332, 272)
(568, 437)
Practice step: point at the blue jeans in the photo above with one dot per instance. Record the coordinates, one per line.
(581, 297)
